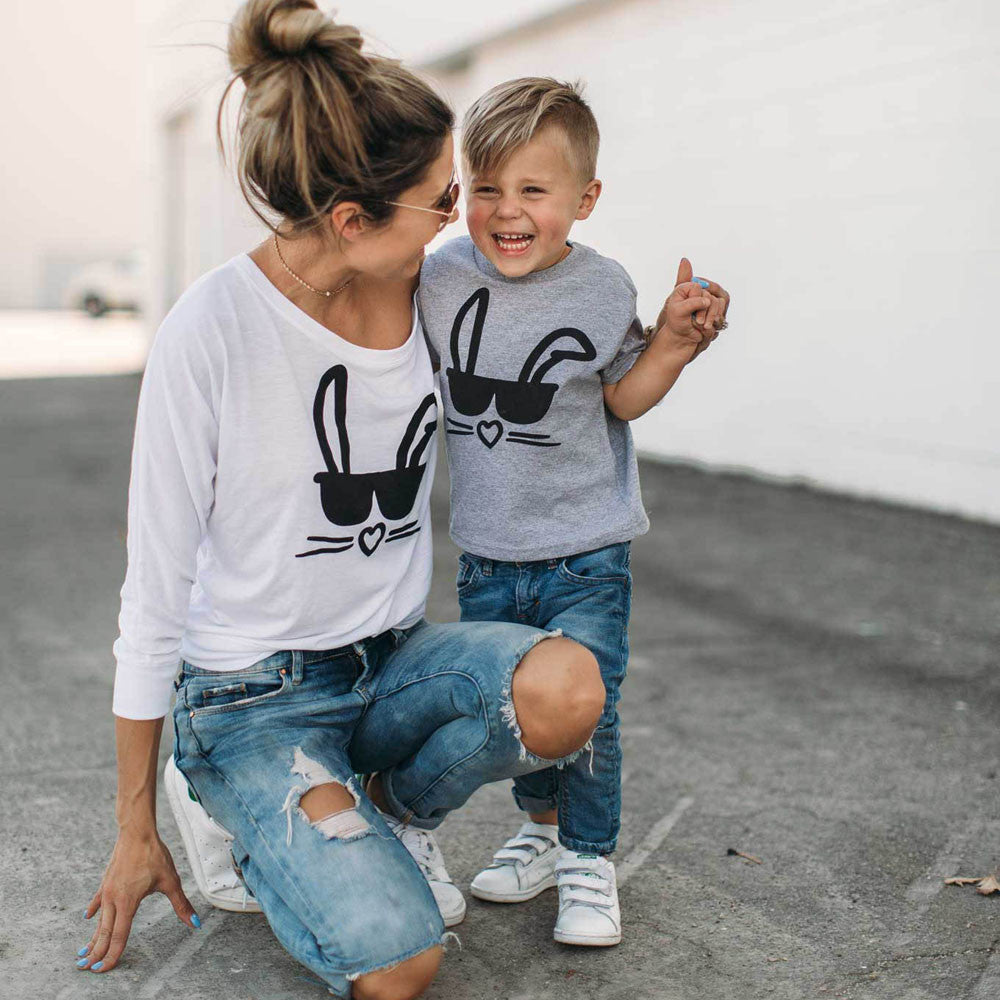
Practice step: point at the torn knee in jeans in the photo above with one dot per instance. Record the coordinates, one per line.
(554, 700)
(329, 806)
(508, 711)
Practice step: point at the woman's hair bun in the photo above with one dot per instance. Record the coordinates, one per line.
(320, 121)
(266, 31)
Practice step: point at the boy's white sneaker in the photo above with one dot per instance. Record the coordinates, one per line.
(522, 868)
(588, 901)
(424, 850)
(208, 847)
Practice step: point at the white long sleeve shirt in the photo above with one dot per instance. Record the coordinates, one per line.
(280, 488)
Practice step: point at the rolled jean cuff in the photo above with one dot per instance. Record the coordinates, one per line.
(529, 804)
(603, 847)
(396, 808)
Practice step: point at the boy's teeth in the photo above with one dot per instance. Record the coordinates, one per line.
(513, 241)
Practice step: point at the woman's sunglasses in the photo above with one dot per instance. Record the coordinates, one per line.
(447, 203)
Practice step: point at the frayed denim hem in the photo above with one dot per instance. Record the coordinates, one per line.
(351, 977)
(508, 713)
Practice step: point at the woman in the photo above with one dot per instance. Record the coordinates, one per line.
(279, 540)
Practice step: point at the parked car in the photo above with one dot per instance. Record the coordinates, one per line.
(118, 283)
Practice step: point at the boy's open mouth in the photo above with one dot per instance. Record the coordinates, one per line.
(512, 244)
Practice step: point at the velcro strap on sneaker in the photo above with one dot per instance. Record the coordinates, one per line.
(513, 855)
(588, 882)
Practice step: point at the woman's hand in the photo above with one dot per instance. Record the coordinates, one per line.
(139, 866)
(709, 322)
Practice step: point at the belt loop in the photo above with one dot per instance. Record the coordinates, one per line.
(487, 567)
(296, 666)
(361, 651)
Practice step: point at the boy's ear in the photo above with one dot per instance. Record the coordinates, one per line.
(589, 198)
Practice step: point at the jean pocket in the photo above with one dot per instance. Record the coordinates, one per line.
(243, 690)
(468, 571)
(607, 565)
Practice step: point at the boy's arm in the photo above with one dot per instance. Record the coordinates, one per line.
(650, 378)
(659, 366)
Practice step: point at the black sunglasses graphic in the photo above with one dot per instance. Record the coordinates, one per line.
(524, 401)
(347, 496)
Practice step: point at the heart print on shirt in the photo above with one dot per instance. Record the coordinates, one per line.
(347, 497)
(525, 400)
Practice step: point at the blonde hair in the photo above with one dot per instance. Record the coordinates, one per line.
(508, 115)
(321, 121)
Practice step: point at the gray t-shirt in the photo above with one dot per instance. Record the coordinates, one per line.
(540, 468)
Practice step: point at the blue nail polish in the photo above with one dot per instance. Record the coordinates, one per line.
(83, 950)
(195, 920)
(81, 963)
(85, 917)
(700, 281)
(97, 965)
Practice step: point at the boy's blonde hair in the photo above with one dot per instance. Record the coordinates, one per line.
(508, 115)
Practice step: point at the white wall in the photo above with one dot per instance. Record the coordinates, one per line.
(69, 122)
(835, 165)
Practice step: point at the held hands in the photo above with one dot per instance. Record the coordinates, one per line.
(694, 313)
(139, 866)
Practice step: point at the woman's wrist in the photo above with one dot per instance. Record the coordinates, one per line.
(137, 827)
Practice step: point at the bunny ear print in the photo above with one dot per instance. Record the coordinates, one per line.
(481, 300)
(426, 404)
(338, 377)
(587, 352)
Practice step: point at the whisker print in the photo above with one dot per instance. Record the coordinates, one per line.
(405, 534)
(467, 427)
(316, 552)
(525, 434)
(535, 444)
(459, 433)
(325, 538)
(403, 527)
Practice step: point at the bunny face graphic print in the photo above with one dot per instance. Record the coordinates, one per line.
(539, 466)
(364, 501)
(521, 401)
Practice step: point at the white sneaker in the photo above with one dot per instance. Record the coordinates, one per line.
(424, 850)
(208, 847)
(588, 901)
(522, 868)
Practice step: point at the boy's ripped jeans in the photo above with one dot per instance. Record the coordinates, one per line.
(588, 597)
(429, 707)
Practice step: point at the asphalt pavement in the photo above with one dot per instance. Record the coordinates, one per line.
(814, 682)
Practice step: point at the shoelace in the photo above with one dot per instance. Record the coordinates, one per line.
(422, 849)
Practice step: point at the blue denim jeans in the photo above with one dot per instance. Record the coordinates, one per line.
(588, 596)
(428, 707)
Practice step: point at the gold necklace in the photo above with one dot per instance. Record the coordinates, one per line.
(302, 281)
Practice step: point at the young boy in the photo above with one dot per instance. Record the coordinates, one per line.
(544, 362)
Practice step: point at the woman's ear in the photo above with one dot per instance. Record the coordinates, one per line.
(588, 199)
(348, 221)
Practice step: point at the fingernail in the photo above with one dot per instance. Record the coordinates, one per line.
(195, 920)
(85, 917)
(83, 950)
(81, 963)
(700, 281)
(97, 965)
